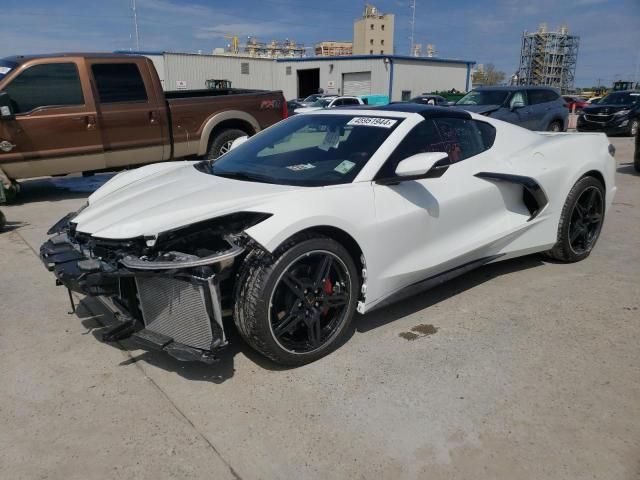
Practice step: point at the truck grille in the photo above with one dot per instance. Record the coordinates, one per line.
(177, 309)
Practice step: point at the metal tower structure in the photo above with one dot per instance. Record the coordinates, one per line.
(549, 58)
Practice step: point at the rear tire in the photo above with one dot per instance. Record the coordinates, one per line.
(580, 221)
(555, 126)
(3, 221)
(296, 305)
(220, 143)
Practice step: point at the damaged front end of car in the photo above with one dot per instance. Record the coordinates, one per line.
(168, 292)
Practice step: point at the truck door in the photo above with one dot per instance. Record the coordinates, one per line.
(55, 129)
(132, 116)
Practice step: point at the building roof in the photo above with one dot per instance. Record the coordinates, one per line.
(377, 57)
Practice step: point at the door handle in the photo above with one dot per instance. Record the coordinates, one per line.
(89, 120)
(153, 119)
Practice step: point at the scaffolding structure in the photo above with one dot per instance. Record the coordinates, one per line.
(548, 58)
(334, 49)
(274, 49)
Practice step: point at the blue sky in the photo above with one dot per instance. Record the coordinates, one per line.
(484, 31)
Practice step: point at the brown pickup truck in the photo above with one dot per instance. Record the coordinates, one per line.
(70, 113)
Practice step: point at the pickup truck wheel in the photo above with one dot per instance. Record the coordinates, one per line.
(555, 126)
(220, 143)
(580, 221)
(295, 306)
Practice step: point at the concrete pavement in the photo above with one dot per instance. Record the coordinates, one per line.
(522, 369)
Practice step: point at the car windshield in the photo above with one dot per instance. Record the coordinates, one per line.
(484, 97)
(321, 102)
(306, 150)
(5, 67)
(312, 98)
(620, 98)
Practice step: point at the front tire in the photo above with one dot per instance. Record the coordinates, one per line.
(220, 143)
(296, 305)
(580, 221)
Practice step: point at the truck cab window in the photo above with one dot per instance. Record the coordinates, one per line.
(46, 85)
(119, 82)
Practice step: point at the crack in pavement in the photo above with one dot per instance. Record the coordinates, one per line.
(164, 394)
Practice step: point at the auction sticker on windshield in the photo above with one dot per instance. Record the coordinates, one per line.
(372, 122)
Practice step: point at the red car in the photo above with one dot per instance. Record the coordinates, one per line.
(579, 102)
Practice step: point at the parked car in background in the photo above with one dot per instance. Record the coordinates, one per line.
(308, 101)
(575, 104)
(432, 100)
(617, 113)
(293, 105)
(535, 108)
(331, 102)
(594, 100)
(71, 113)
(636, 157)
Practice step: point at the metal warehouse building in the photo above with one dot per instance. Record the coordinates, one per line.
(399, 77)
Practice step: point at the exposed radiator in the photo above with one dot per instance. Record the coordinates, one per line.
(177, 309)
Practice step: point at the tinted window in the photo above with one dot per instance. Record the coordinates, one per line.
(50, 85)
(119, 82)
(541, 96)
(484, 97)
(423, 138)
(350, 101)
(463, 138)
(620, 98)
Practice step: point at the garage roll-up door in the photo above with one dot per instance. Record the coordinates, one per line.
(358, 83)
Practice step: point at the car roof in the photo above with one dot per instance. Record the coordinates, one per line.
(427, 111)
(513, 88)
(25, 58)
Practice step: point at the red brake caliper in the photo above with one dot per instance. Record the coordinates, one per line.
(328, 290)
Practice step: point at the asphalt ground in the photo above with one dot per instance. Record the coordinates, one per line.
(524, 369)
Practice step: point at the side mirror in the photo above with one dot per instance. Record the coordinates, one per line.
(6, 109)
(238, 141)
(419, 166)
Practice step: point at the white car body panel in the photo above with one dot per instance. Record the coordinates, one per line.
(407, 232)
(330, 105)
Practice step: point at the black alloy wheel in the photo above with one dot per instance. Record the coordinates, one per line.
(580, 222)
(586, 220)
(310, 302)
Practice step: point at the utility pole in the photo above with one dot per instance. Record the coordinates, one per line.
(135, 23)
(413, 25)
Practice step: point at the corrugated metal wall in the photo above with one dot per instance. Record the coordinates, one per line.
(419, 77)
(196, 69)
(415, 76)
(331, 72)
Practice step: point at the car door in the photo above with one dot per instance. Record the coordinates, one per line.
(516, 111)
(131, 115)
(426, 227)
(55, 130)
(540, 108)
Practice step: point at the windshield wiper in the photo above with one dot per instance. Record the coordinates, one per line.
(249, 177)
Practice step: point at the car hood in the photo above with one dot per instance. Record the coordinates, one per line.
(154, 199)
(478, 108)
(605, 109)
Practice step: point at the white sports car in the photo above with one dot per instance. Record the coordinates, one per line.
(323, 215)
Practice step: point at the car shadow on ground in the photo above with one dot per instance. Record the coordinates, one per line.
(54, 189)
(431, 297)
(628, 168)
(96, 318)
